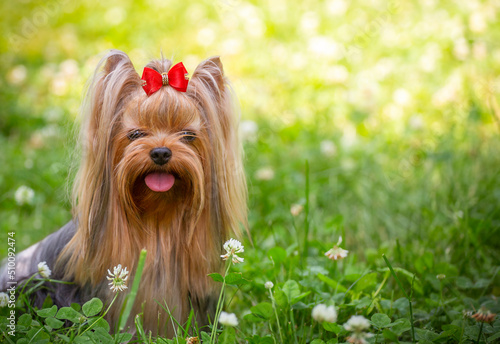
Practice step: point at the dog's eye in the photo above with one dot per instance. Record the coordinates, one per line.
(188, 136)
(135, 134)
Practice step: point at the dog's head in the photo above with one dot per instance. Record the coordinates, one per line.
(167, 154)
(163, 155)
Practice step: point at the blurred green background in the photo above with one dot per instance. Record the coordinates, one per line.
(393, 103)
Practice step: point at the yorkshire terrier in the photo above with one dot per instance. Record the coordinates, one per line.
(161, 170)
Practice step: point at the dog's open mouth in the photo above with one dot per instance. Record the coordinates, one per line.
(159, 181)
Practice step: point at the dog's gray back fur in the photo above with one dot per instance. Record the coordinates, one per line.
(47, 251)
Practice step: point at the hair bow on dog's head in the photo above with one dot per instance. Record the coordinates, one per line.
(177, 77)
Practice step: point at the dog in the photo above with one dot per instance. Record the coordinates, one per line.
(161, 169)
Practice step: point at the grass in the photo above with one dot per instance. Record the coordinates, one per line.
(377, 122)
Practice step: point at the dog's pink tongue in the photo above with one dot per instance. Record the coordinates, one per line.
(159, 182)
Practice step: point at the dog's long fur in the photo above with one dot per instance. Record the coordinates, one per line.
(116, 215)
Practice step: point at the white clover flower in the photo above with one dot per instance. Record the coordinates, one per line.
(467, 314)
(192, 340)
(118, 278)
(228, 319)
(24, 195)
(233, 246)
(327, 148)
(44, 270)
(269, 285)
(265, 173)
(337, 253)
(322, 313)
(359, 338)
(4, 299)
(296, 209)
(484, 315)
(357, 323)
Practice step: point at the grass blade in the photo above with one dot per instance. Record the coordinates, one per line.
(140, 329)
(406, 295)
(394, 274)
(129, 301)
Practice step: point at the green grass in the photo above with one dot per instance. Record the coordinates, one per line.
(407, 93)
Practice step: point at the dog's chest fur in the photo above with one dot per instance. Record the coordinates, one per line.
(174, 278)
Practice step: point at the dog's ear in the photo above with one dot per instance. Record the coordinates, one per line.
(210, 75)
(115, 80)
(113, 59)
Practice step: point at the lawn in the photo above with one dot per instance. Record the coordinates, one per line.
(373, 121)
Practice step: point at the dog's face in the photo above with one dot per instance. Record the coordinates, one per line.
(162, 148)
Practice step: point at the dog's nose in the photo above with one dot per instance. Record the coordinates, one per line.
(160, 155)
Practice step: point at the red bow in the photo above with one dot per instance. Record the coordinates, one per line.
(177, 77)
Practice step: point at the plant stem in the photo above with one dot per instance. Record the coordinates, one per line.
(381, 285)
(103, 315)
(311, 331)
(27, 282)
(276, 314)
(480, 332)
(25, 298)
(220, 303)
(293, 326)
(411, 310)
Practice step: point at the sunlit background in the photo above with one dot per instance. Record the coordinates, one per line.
(394, 104)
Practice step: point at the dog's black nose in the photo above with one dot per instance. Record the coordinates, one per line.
(160, 155)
